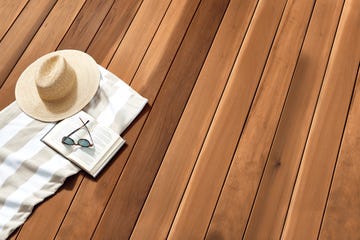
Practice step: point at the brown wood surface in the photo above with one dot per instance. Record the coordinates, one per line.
(341, 219)
(83, 202)
(275, 189)
(157, 131)
(23, 30)
(51, 211)
(9, 11)
(251, 130)
(210, 172)
(138, 38)
(314, 178)
(230, 222)
(245, 172)
(168, 187)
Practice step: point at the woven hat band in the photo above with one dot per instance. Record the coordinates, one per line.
(55, 79)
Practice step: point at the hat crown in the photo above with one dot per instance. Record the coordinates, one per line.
(55, 78)
(57, 85)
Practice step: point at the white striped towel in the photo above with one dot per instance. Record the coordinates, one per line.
(29, 170)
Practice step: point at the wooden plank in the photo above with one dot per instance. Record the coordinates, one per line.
(312, 185)
(50, 210)
(209, 173)
(48, 213)
(92, 196)
(23, 30)
(86, 25)
(341, 219)
(240, 188)
(84, 202)
(45, 220)
(54, 209)
(138, 38)
(232, 212)
(165, 195)
(9, 11)
(277, 181)
(113, 30)
(131, 190)
(162, 51)
(45, 40)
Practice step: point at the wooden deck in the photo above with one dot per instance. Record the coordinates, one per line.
(252, 127)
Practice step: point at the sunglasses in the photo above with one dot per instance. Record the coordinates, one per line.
(67, 140)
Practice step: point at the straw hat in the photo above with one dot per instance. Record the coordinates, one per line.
(57, 85)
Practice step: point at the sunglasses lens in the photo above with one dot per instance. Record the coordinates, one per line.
(84, 143)
(67, 141)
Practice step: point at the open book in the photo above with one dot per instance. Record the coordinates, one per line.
(84, 142)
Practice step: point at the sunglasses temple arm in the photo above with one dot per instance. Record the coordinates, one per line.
(84, 124)
(92, 141)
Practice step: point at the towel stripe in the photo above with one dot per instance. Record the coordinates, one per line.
(10, 130)
(29, 170)
(8, 113)
(13, 161)
(28, 189)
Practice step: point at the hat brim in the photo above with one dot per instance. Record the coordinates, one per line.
(87, 76)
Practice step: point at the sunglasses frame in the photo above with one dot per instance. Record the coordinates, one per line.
(63, 140)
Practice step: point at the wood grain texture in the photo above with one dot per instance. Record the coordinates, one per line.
(207, 179)
(92, 196)
(341, 219)
(9, 11)
(163, 48)
(86, 25)
(170, 183)
(125, 204)
(45, 221)
(135, 43)
(78, 30)
(248, 60)
(274, 193)
(55, 209)
(229, 222)
(316, 170)
(113, 30)
(23, 30)
(250, 130)
(45, 40)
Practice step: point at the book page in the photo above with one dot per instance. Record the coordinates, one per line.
(112, 151)
(103, 141)
(62, 129)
